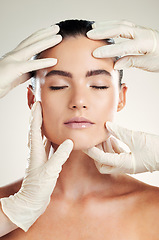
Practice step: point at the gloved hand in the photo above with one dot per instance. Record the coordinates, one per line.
(140, 50)
(16, 65)
(142, 154)
(24, 207)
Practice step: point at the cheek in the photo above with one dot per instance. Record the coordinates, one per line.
(51, 109)
(107, 105)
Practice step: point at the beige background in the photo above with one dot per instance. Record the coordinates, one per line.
(19, 18)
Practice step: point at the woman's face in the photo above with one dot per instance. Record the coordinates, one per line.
(72, 89)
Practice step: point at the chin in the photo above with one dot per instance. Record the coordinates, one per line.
(82, 139)
(80, 144)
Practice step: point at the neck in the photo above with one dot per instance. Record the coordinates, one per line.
(80, 177)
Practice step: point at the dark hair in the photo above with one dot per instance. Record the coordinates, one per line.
(75, 27)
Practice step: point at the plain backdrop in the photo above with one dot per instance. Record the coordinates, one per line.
(19, 19)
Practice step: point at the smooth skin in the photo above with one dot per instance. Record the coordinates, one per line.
(86, 204)
(140, 49)
(80, 96)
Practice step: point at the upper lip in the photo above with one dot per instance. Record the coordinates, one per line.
(78, 120)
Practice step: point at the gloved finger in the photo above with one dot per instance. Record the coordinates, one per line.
(122, 31)
(47, 145)
(121, 164)
(115, 146)
(108, 146)
(38, 36)
(54, 164)
(105, 146)
(118, 146)
(111, 159)
(28, 52)
(112, 23)
(141, 62)
(103, 169)
(133, 139)
(33, 119)
(118, 49)
(37, 151)
(25, 68)
(33, 65)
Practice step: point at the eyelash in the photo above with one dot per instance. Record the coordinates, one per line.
(57, 88)
(100, 87)
(95, 87)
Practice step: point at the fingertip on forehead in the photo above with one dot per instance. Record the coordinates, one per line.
(114, 73)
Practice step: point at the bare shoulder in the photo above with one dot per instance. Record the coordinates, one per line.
(10, 189)
(148, 197)
(146, 212)
(145, 197)
(141, 208)
(151, 200)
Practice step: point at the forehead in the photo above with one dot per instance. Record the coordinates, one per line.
(75, 53)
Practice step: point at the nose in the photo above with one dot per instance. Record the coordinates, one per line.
(78, 99)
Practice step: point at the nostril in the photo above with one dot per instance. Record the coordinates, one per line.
(76, 107)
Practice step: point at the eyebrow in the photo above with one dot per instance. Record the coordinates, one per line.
(69, 75)
(59, 73)
(97, 72)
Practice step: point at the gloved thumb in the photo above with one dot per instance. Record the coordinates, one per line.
(54, 164)
(135, 62)
(36, 146)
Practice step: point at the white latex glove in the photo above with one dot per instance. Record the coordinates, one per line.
(140, 48)
(24, 207)
(16, 65)
(114, 158)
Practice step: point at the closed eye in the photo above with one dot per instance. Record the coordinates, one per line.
(58, 87)
(62, 87)
(100, 87)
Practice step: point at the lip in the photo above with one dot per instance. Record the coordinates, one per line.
(78, 122)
